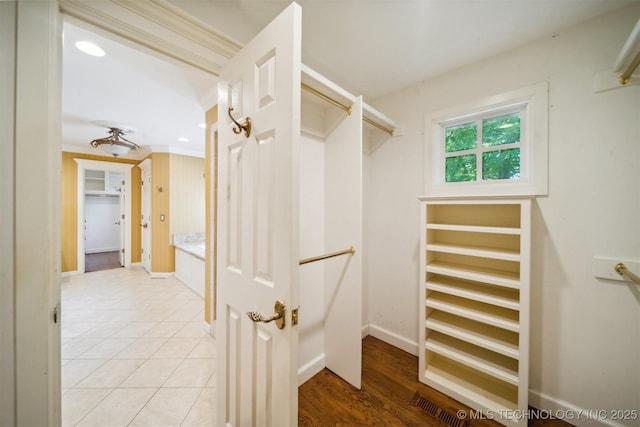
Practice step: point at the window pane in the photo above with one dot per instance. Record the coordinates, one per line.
(501, 164)
(461, 137)
(461, 168)
(501, 130)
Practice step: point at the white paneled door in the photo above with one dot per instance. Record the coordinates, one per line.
(258, 228)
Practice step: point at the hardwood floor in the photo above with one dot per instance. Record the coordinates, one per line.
(390, 391)
(101, 261)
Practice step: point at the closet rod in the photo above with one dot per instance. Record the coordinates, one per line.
(344, 108)
(351, 251)
(378, 125)
(319, 94)
(622, 270)
(624, 77)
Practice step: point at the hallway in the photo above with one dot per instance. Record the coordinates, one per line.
(135, 352)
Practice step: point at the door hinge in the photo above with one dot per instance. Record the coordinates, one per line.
(122, 250)
(294, 316)
(122, 216)
(141, 182)
(142, 250)
(123, 182)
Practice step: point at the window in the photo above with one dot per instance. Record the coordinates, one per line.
(492, 147)
(488, 147)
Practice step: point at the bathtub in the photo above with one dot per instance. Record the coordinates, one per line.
(189, 256)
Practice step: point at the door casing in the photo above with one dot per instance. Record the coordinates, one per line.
(125, 169)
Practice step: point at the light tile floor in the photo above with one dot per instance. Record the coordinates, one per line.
(135, 352)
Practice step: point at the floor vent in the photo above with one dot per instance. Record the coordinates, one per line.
(437, 412)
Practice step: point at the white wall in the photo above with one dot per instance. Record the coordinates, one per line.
(101, 232)
(585, 344)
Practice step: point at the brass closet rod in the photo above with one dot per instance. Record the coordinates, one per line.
(622, 270)
(624, 77)
(344, 108)
(351, 251)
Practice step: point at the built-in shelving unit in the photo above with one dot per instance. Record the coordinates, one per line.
(99, 182)
(474, 293)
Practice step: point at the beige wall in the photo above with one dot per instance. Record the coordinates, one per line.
(187, 201)
(211, 183)
(162, 253)
(70, 208)
(181, 201)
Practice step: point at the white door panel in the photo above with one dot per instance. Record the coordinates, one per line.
(258, 227)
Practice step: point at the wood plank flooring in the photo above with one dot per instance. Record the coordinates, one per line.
(389, 387)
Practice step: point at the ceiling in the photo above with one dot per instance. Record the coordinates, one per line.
(369, 47)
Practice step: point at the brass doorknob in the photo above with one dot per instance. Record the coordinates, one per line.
(279, 308)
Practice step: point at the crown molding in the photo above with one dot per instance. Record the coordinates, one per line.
(158, 26)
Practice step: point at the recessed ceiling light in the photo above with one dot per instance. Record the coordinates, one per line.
(183, 139)
(90, 48)
(202, 125)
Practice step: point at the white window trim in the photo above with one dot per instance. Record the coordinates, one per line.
(533, 151)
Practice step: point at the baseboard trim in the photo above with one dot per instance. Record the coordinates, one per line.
(394, 339)
(308, 370)
(70, 273)
(161, 275)
(569, 412)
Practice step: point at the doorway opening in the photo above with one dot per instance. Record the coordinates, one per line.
(104, 214)
(104, 219)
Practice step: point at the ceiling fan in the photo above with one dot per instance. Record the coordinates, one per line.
(115, 143)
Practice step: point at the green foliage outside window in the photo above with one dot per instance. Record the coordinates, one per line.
(501, 130)
(461, 168)
(501, 163)
(462, 137)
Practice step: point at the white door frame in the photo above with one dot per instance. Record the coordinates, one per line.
(125, 169)
(33, 207)
(145, 235)
(33, 40)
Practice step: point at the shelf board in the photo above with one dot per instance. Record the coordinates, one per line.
(494, 295)
(474, 310)
(476, 251)
(473, 228)
(489, 337)
(471, 387)
(499, 367)
(477, 274)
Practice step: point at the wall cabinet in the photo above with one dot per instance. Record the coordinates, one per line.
(474, 302)
(102, 182)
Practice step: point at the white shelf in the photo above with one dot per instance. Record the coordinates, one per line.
(474, 228)
(469, 386)
(496, 365)
(494, 295)
(468, 250)
(480, 312)
(489, 337)
(485, 275)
